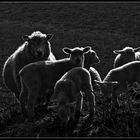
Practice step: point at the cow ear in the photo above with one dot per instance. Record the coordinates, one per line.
(118, 51)
(137, 49)
(49, 37)
(86, 49)
(25, 37)
(67, 50)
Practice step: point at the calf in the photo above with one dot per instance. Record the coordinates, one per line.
(37, 78)
(117, 79)
(69, 88)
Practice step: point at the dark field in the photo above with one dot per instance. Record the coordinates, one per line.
(103, 26)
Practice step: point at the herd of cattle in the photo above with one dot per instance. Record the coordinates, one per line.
(33, 71)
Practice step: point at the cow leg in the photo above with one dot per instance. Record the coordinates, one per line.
(23, 98)
(79, 105)
(31, 104)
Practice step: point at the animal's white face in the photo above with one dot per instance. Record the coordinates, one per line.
(39, 44)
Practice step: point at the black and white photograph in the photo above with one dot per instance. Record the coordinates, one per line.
(70, 69)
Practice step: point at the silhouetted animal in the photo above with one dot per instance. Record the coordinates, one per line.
(117, 79)
(69, 89)
(37, 78)
(35, 48)
(126, 55)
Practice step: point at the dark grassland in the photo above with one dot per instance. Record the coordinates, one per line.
(104, 26)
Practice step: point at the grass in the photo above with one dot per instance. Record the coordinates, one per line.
(104, 26)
